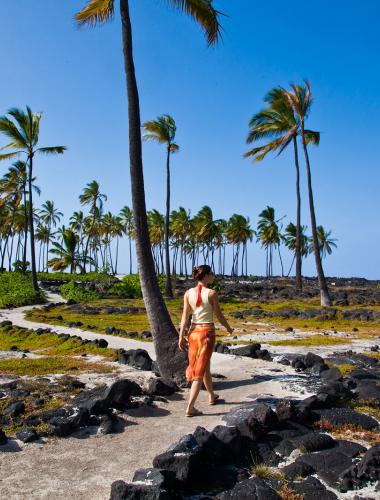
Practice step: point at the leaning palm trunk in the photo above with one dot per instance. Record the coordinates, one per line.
(31, 225)
(168, 284)
(325, 297)
(298, 224)
(171, 361)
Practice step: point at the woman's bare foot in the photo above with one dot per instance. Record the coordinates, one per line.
(193, 413)
(213, 400)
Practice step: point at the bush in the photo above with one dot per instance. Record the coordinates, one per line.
(16, 290)
(77, 292)
(87, 277)
(128, 288)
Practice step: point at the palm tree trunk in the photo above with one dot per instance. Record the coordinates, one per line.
(325, 296)
(31, 225)
(282, 265)
(171, 361)
(130, 255)
(25, 230)
(117, 253)
(298, 223)
(168, 284)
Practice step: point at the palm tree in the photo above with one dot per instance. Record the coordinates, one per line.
(170, 360)
(23, 131)
(279, 124)
(290, 240)
(50, 216)
(92, 196)
(162, 130)
(126, 215)
(77, 224)
(269, 233)
(301, 100)
(238, 232)
(326, 244)
(180, 224)
(67, 253)
(43, 235)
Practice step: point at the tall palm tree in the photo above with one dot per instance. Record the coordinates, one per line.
(238, 232)
(180, 224)
(326, 243)
(23, 130)
(50, 216)
(92, 196)
(279, 124)
(170, 360)
(300, 98)
(163, 130)
(126, 215)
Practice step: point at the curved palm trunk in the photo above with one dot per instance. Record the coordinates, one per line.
(31, 225)
(325, 296)
(171, 361)
(298, 223)
(168, 284)
(130, 256)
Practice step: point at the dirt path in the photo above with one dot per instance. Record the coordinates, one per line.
(84, 467)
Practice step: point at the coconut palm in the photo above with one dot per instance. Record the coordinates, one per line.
(163, 130)
(269, 233)
(326, 243)
(290, 240)
(50, 216)
(23, 130)
(77, 224)
(279, 124)
(170, 360)
(43, 235)
(181, 227)
(67, 253)
(126, 216)
(238, 233)
(300, 98)
(92, 196)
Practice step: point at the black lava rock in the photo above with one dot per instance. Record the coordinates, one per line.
(27, 435)
(161, 387)
(343, 416)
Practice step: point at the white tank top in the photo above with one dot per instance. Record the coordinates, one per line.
(203, 313)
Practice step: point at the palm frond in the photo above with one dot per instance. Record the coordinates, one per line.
(312, 137)
(205, 14)
(96, 12)
(53, 150)
(10, 155)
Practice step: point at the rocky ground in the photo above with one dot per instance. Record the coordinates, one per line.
(291, 422)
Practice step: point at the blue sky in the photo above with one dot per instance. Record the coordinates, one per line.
(76, 78)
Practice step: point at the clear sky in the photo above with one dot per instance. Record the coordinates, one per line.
(76, 78)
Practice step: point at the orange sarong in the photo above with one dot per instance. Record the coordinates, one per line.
(201, 346)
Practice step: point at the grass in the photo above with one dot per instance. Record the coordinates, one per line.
(264, 472)
(16, 290)
(348, 432)
(47, 343)
(314, 340)
(50, 365)
(286, 493)
(345, 368)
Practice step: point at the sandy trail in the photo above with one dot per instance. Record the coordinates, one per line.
(84, 467)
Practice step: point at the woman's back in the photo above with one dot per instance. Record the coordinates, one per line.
(202, 313)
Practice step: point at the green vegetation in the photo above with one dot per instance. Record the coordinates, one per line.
(17, 290)
(77, 292)
(346, 368)
(50, 365)
(264, 472)
(46, 343)
(314, 340)
(90, 277)
(286, 493)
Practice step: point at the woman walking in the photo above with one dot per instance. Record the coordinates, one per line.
(202, 303)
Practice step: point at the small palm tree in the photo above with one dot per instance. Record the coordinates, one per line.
(290, 240)
(50, 216)
(92, 196)
(238, 233)
(126, 215)
(326, 243)
(300, 98)
(171, 362)
(269, 233)
(23, 129)
(67, 253)
(163, 130)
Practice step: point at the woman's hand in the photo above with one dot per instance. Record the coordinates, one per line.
(182, 343)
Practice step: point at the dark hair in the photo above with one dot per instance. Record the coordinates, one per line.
(199, 272)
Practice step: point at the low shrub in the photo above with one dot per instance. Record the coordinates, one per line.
(16, 290)
(77, 292)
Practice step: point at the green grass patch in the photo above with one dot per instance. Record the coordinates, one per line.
(16, 290)
(313, 340)
(345, 368)
(47, 343)
(264, 472)
(77, 292)
(49, 366)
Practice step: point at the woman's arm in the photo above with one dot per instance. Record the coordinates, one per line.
(214, 301)
(184, 320)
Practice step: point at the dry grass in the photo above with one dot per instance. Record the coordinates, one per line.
(286, 493)
(313, 340)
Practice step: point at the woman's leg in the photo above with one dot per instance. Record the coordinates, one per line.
(207, 380)
(194, 391)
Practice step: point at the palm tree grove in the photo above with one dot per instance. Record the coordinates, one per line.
(187, 305)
